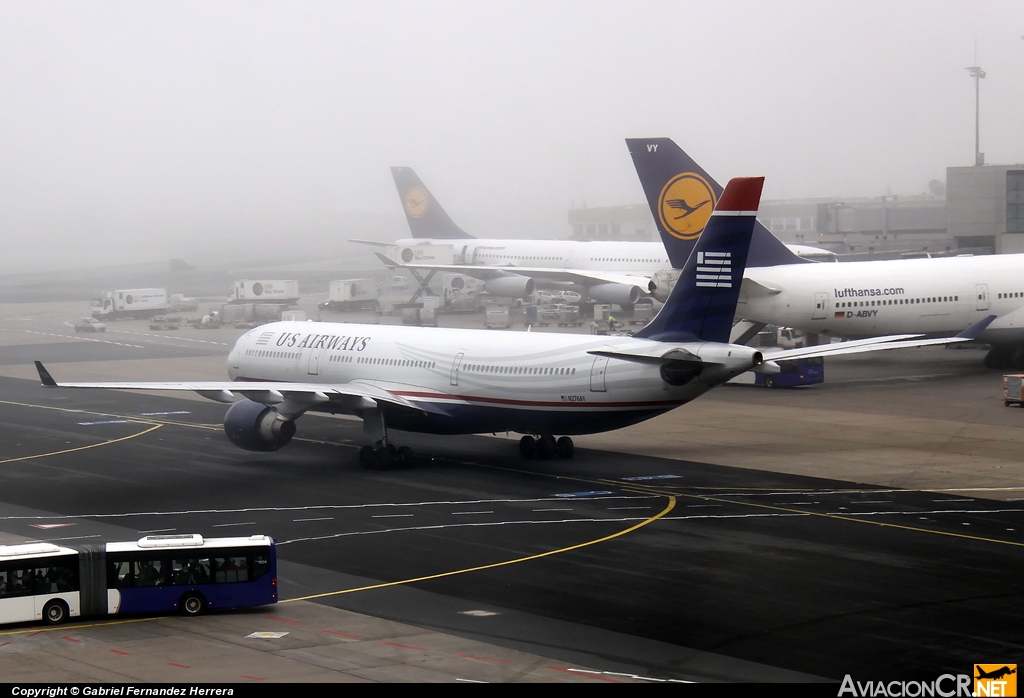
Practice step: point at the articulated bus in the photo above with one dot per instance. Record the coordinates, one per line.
(156, 574)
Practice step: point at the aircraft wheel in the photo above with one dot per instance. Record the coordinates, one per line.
(527, 447)
(546, 447)
(405, 457)
(386, 457)
(769, 382)
(565, 447)
(367, 456)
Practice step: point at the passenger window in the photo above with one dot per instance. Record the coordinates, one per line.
(191, 571)
(260, 565)
(19, 583)
(230, 569)
(119, 575)
(149, 573)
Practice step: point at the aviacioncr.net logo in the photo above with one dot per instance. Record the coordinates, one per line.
(685, 205)
(416, 202)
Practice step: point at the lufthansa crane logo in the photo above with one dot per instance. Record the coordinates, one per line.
(685, 205)
(416, 202)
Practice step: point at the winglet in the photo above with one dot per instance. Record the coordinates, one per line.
(975, 330)
(388, 262)
(44, 376)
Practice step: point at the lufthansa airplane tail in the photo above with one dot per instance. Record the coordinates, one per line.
(703, 302)
(426, 217)
(682, 195)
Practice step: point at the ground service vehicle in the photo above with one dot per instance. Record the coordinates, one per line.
(793, 372)
(89, 324)
(130, 302)
(351, 294)
(262, 291)
(1013, 390)
(156, 574)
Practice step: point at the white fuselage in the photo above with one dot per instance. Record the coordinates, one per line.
(862, 299)
(472, 381)
(592, 255)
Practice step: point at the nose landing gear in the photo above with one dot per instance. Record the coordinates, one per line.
(545, 447)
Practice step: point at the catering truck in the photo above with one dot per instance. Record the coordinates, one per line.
(351, 294)
(130, 302)
(263, 291)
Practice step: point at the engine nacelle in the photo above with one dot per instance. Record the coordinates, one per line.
(254, 426)
(619, 294)
(662, 282)
(513, 286)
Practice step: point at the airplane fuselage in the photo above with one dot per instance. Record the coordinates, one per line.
(862, 299)
(593, 255)
(470, 381)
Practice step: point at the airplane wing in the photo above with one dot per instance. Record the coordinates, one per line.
(898, 341)
(300, 396)
(585, 277)
(375, 243)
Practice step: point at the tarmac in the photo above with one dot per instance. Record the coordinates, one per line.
(871, 525)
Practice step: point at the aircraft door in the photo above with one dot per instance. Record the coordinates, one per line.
(982, 290)
(455, 368)
(314, 362)
(597, 374)
(820, 306)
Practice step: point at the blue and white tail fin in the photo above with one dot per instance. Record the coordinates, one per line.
(426, 217)
(702, 304)
(682, 195)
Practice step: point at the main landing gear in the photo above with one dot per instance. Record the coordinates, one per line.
(545, 447)
(385, 457)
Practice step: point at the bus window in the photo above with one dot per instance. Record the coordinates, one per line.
(150, 573)
(231, 569)
(119, 574)
(260, 565)
(55, 579)
(19, 582)
(191, 571)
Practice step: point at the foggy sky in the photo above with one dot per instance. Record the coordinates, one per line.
(217, 130)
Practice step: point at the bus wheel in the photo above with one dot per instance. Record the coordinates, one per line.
(55, 612)
(769, 382)
(192, 604)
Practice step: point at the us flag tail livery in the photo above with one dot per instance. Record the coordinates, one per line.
(426, 217)
(682, 196)
(703, 302)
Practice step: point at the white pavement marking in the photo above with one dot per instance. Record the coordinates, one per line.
(313, 507)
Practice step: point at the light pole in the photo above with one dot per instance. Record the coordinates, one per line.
(977, 73)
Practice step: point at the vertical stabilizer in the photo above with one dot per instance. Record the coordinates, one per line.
(682, 195)
(703, 302)
(426, 217)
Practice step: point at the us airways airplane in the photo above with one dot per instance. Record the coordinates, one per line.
(605, 271)
(456, 381)
(931, 297)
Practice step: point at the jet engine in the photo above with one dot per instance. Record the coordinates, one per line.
(512, 286)
(256, 427)
(662, 283)
(620, 294)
